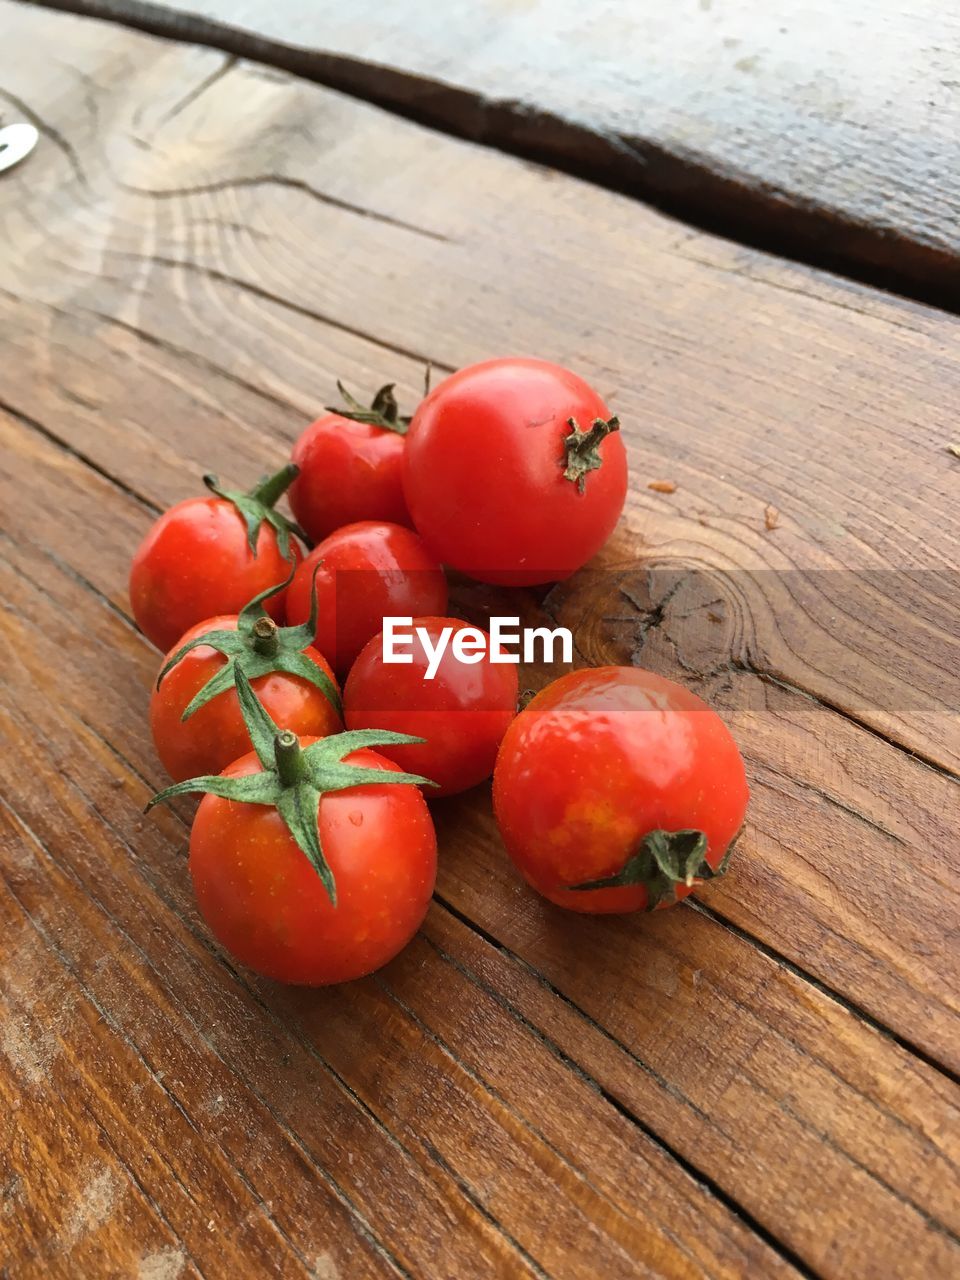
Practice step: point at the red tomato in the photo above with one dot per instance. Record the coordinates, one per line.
(350, 467)
(463, 712)
(498, 481)
(365, 572)
(266, 904)
(197, 561)
(215, 735)
(618, 776)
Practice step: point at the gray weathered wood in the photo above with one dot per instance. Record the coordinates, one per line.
(826, 130)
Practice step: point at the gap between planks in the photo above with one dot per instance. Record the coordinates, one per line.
(606, 160)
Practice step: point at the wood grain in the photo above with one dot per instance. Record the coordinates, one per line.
(822, 1090)
(819, 130)
(719, 359)
(757, 1085)
(350, 1077)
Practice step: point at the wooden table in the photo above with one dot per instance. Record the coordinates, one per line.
(819, 130)
(760, 1083)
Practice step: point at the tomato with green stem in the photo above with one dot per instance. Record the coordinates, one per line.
(195, 715)
(360, 575)
(616, 789)
(208, 556)
(459, 706)
(514, 471)
(313, 860)
(350, 463)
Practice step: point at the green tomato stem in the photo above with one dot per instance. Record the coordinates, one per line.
(286, 748)
(271, 488)
(265, 638)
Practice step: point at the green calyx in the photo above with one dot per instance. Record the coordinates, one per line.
(664, 860)
(582, 449)
(383, 412)
(294, 778)
(257, 507)
(257, 648)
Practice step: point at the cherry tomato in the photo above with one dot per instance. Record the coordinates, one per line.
(618, 790)
(350, 464)
(313, 859)
(266, 904)
(513, 471)
(208, 556)
(462, 712)
(365, 572)
(215, 735)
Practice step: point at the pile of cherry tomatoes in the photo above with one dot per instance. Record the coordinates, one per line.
(313, 853)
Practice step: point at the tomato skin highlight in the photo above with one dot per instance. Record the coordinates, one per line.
(463, 712)
(215, 736)
(483, 473)
(195, 562)
(364, 573)
(349, 471)
(266, 904)
(597, 761)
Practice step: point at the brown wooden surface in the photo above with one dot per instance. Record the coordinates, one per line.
(821, 129)
(759, 1084)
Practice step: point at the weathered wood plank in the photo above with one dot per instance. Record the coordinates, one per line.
(751, 1074)
(824, 131)
(801, 1147)
(85, 1098)
(278, 1090)
(68, 1197)
(293, 1052)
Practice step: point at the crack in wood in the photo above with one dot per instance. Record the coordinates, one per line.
(831, 993)
(194, 357)
(257, 291)
(61, 443)
(741, 664)
(290, 184)
(713, 197)
(696, 1174)
(229, 62)
(55, 136)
